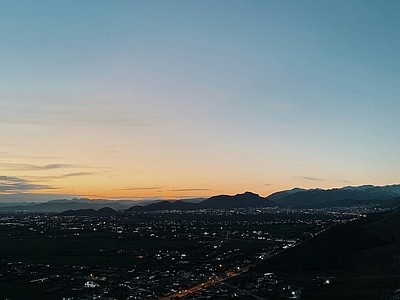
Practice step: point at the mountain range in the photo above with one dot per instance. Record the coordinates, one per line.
(301, 197)
(388, 195)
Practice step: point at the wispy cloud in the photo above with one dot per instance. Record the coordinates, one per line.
(267, 184)
(140, 188)
(11, 184)
(75, 174)
(188, 190)
(67, 175)
(30, 167)
(310, 178)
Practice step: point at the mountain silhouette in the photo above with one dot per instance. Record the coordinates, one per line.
(246, 199)
(165, 205)
(103, 212)
(315, 196)
(297, 197)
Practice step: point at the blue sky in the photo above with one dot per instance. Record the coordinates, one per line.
(177, 99)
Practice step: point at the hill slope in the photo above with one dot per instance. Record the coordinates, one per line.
(363, 255)
(102, 212)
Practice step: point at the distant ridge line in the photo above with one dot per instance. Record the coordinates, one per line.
(296, 197)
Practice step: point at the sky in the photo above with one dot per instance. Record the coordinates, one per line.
(180, 99)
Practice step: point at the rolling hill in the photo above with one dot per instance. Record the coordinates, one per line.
(363, 256)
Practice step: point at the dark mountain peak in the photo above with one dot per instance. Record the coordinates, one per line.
(165, 205)
(247, 199)
(102, 212)
(107, 209)
(80, 199)
(79, 212)
(162, 205)
(247, 193)
(281, 194)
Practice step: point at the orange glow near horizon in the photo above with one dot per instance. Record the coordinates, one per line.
(125, 178)
(145, 101)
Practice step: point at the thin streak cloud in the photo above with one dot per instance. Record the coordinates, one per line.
(140, 188)
(310, 178)
(188, 190)
(30, 167)
(66, 175)
(75, 174)
(11, 184)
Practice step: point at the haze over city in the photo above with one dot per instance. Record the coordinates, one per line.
(177, 99)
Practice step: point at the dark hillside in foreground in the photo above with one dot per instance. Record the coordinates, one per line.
(363, 255)
(387, 203)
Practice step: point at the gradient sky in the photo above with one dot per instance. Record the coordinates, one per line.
(172, 99)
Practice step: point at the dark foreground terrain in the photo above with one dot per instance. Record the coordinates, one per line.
(361, 258)
(253, 253)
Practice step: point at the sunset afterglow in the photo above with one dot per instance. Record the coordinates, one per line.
(180, 99)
